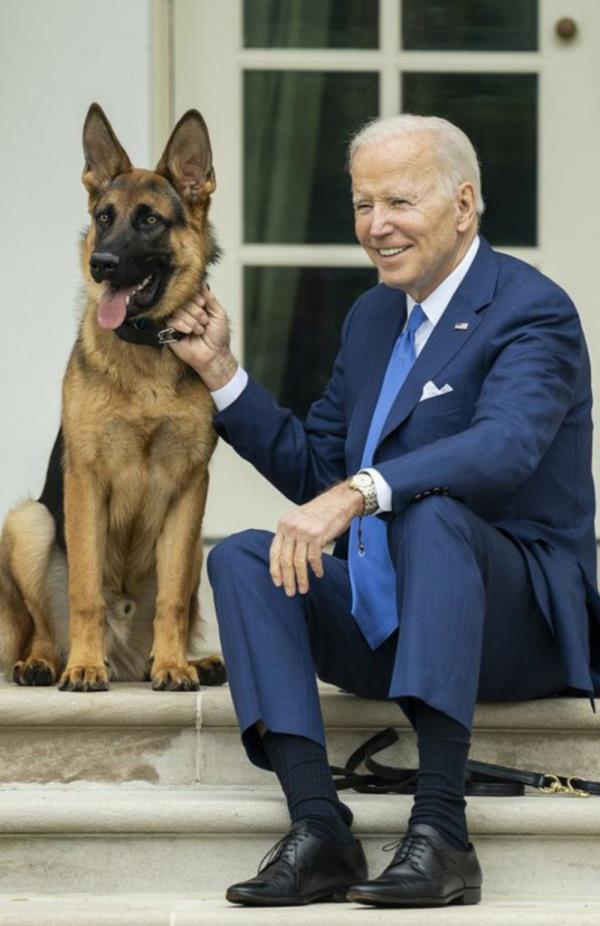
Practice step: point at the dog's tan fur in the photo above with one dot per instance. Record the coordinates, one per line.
(138, 434)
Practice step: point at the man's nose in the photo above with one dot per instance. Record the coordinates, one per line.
(103, 265)
(380, 221)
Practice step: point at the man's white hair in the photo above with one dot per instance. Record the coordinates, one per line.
(456, 155)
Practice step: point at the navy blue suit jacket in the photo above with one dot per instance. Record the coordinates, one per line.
(512, 440)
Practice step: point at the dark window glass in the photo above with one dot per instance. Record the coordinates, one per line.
(484, 25)
(296, 128)
(311, 23)
(499, 114)
(292, 323)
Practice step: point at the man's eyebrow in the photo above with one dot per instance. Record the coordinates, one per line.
(392, 193)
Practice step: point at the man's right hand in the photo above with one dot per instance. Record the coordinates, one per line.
(207, 345)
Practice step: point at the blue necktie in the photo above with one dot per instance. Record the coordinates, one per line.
(371, 573)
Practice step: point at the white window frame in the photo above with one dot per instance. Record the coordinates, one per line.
(200, 63)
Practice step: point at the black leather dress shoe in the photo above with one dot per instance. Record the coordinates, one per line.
(300, 869)
(425, 872)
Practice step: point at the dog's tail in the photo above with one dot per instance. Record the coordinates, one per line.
(25, 546)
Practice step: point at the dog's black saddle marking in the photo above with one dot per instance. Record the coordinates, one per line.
(53, 493)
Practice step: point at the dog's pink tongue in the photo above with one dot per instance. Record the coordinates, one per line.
(112, 307)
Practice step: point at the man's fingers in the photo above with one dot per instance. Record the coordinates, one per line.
(191, 322)
(315, 558)
(300, 566)
(199, 300)
(286, 560)
(211, 303)
(274, 561)
(190, 319)
(179, 325)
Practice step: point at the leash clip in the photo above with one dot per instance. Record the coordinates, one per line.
(168, 336)
(578, 792)
(557, 786)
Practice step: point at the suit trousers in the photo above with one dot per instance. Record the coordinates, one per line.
(469, 627)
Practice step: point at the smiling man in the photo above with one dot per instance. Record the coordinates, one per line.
(450, 460)
(414, 234)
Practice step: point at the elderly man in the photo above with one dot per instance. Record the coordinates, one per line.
(450, 459)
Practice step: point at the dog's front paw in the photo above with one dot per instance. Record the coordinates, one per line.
(174, 677)
(34, 672)
(84, 678)
(211, 670)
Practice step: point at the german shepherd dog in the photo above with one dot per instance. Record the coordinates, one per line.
(130, 467)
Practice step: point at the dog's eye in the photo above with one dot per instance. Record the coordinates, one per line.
(103, 218)
(152, 220)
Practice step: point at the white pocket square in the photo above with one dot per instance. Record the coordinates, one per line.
(430, 390)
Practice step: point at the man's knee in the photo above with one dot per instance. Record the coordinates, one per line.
(436, 511)
(432, 519)
(230, 557)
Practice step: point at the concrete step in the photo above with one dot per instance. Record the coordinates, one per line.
(557, 735)
(194, 909)
(118, 841)
(130, 735)
(134, 737)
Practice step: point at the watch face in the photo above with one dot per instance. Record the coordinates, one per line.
(364, 480)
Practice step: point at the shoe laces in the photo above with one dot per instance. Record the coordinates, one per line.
(286, 846)
(409, 849)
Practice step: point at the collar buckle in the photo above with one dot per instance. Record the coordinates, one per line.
(168, 336)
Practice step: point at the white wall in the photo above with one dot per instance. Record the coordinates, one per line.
(56, 57)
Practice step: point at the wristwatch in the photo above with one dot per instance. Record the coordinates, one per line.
(364, 483)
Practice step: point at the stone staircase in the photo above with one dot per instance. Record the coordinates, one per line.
(139, 807)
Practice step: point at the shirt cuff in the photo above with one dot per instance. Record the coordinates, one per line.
(227, 394)
(382, 488)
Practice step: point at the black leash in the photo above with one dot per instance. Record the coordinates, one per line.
(482, 778)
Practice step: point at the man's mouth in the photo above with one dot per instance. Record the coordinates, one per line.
(392, 252)
(115, 305)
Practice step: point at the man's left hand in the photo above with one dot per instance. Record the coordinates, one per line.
(302, 534)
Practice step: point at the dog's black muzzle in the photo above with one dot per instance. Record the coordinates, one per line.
(104, 266)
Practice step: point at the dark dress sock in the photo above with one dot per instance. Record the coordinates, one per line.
(303, 771)
(443, 746)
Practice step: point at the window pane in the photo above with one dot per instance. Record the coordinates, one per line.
(296, 128)
(499, 114)
(484, 25)
(292, 322)
(311, 23)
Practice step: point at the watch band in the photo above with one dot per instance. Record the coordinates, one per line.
(364, 483)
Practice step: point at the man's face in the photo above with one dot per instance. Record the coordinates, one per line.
(414, 234)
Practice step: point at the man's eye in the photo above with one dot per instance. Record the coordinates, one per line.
(399, 202)
(362, 207)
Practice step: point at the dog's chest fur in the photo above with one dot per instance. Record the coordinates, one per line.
(145, 432)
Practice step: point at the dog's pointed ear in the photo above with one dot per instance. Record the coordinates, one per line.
(105, 157)
(187, 159)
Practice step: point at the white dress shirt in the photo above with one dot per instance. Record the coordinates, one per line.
(433, 307)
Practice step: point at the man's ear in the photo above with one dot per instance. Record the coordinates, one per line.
(466, 205)
(187, 159)
(105, 157)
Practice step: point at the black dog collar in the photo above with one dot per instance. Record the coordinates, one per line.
(142, 332)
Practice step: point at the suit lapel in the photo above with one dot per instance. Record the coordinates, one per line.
(474, 293)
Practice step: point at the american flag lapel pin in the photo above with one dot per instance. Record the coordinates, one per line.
(461, 326)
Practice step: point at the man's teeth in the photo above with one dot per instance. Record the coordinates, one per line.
(390, 252)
